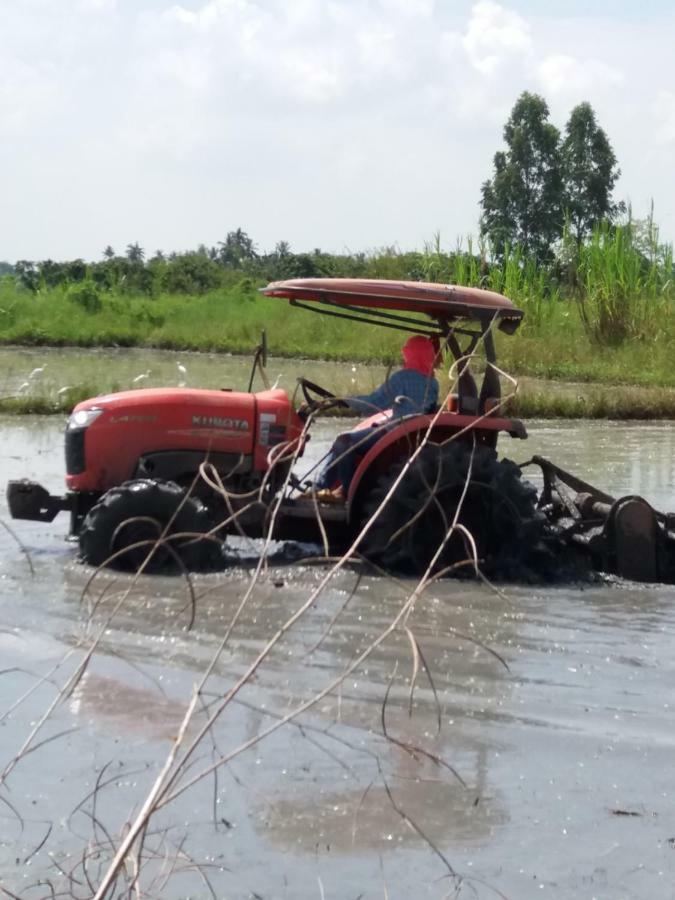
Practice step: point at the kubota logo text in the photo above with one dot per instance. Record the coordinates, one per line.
(218, 422)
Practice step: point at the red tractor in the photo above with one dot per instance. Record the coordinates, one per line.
(179, 463)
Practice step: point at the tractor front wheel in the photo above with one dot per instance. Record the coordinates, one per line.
(134, 516)
(451, 484)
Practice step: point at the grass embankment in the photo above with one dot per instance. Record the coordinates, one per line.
(552, 401)
(559, 400)
(44, 403)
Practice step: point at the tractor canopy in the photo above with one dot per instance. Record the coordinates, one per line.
(386, 302)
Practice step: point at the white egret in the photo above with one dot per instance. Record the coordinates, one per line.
(36, 372)
(141, 377)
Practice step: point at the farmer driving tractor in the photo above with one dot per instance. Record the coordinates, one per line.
(412, 390)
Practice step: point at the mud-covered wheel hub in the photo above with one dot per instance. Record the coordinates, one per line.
(496, 506)
(135, 515)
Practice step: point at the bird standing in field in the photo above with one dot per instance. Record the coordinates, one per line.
(141, 377)
(37, 372)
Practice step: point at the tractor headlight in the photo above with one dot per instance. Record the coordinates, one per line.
(82, 418)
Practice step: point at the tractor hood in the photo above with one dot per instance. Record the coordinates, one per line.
(107, 436)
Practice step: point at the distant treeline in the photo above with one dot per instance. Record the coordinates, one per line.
(208, 268)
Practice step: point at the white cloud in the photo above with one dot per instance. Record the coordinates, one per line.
(495, 36)
(378, 48)
(314, 76)
(239, 15)
(96, 6)
(29, 94)
(287, 56)
(568, 75)
(408, 8)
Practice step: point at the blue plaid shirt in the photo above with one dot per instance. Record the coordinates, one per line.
(406, 393)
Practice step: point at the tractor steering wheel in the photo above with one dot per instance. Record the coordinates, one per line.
(314, 402)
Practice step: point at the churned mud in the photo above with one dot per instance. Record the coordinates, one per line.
(535, 761)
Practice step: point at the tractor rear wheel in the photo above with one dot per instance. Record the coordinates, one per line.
(497, 507)
(135, 515)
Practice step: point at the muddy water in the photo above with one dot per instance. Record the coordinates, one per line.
(563, 736)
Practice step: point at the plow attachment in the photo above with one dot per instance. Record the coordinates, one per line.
(623, 536)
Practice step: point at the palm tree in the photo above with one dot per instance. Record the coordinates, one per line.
(236, 248)
(135, 253)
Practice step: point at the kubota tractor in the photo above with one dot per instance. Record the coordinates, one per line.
(178, 463)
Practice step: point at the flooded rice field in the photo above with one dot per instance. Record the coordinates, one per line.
(535, 761)
(50, 372)
(47, 371)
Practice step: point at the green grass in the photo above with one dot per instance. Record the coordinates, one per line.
(222, 320)
(623, 293)
(583, 401)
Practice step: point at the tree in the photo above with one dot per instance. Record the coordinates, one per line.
(191, 273)
(27, 274)
(522, 203)
(108, 253)
(52, 273)
(236, 249)
(76, 270)
(589, 172)
(135, 253)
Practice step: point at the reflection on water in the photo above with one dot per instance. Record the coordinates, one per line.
(575, 728)
(125, 709)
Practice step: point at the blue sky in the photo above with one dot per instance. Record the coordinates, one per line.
(326, 123)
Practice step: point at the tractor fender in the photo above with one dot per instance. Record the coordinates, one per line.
(402, 440)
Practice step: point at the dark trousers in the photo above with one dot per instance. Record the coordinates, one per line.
(343, 457)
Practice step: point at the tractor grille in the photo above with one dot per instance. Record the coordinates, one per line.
(75, 451)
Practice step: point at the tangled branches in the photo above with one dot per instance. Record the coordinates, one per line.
(276, 672)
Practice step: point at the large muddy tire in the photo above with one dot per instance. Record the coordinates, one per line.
(498, 509)
(137, 512)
